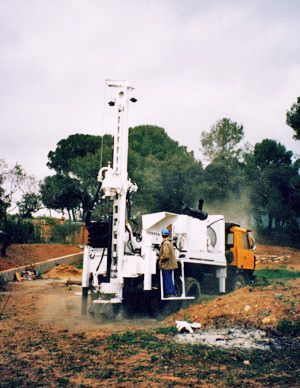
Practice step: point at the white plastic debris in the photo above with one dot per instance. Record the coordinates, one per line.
(185, 327)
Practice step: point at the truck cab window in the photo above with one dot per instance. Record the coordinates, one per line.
(245, 241)
(251, 240)
(229, 242)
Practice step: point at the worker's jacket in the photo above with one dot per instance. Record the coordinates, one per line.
(167, 259)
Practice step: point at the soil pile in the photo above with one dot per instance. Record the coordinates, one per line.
(249, 306)
(63, 272)
(25, 254)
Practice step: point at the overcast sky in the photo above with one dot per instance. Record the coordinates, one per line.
(192, 63)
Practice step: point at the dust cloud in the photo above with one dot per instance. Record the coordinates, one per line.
(236, 210)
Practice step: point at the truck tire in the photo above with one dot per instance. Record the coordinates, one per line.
(236, 282)
(192, 288)
(106, 312)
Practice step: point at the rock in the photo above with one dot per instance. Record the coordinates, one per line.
(270, 319)
(220, 338)
(232, 338)
(278, 296)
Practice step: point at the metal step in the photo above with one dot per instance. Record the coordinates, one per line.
(182, 279)
(107, 301)
(178, 298)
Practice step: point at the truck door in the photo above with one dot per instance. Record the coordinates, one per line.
(245, 255)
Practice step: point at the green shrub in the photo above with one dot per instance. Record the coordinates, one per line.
(48, 220)
(22, 231)
(63, 233)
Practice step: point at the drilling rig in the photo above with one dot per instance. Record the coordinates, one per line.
(120, 266)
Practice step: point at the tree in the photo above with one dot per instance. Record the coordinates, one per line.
(77, 159)
(13, 181)
(30, 203)
(293, 118)
(273, 191)
(165, 172)
(152, 140)
(222, 140)
(269, 152)
(224, 179)
(218, 182)
(61, 192)
(74, 146)
(181, 177)
(224, 189)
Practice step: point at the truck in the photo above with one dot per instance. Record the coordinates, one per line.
(120, 264)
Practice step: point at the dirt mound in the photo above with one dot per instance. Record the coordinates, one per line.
(25, 254)
(259, 307)
(63, 271)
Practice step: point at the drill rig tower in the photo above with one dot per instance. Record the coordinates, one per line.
(115, 185)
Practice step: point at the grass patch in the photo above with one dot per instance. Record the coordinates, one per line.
(287, 327)
(273, 274)
(129, 339)
(167, 330)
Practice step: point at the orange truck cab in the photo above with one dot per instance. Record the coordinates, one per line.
(239, 248)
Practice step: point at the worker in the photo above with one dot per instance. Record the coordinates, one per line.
(167, 263)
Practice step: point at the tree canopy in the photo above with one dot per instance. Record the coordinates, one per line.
(223, 139)
(269, 152)
(13, 182)
(61, 192)
(165, 172)
(274, 188)
(76, 161)
(293, 118)
(74, 146)
(259, 185)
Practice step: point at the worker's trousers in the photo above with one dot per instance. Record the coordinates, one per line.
(168, 282)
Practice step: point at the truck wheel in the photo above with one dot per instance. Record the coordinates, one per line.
(238, 281)
(192, 288)
(106, 312)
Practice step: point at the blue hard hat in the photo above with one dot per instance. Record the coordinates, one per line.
(165, 232)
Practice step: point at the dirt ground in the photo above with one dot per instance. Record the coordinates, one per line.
(25, 254)
(44, 340)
